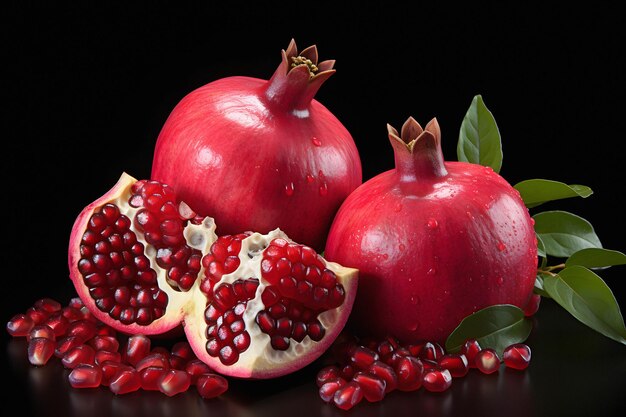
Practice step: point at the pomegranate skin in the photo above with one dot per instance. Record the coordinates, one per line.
(433, 244)
(257, 154)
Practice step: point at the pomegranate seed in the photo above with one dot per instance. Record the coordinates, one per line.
(211, 385)
(430, 351)
(80, 355)
(455, 363)
(105, 330)
(329, 388)
(373, 387)
(326, 374)
(428, 364)
(470, 348)
(409, 371)
(385, 348)
(437, 380)
(348, 396)
(110, 370)
(85, 329)
(151, 377)
(347, 372)
(76, 303)
(487, 361)
(153, 359)
(533, 305)
(41, 330)
(108, 343)
(195, 368)
(386, 373)
(71, 314)
(48, 305)
(104, 355)
(58, 324)
(125, 380)
(137, 348)
(176, 362)
(37, 316)
(363, 357)
(40, 350)
(85, 376)
(517, 356)
(66, 344)
(174, 382)
(20, 325)
(183, 349)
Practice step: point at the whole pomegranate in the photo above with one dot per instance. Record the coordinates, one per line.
(434, 241)
(251, 305)
(257, 154)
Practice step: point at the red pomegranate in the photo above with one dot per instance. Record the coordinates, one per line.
(252, 305)
(257, 154)
(434, 241)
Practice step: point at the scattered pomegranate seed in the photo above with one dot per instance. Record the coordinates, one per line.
(48, 305)
(183, 350)
(211, 385)
(153, 359)
(329, 388)
(40, 350)
(348, 396)
(470, 349)
(66, 344)
(326, 374)
(386, 372)
(104, 355)
(41, 330)
(373, 386)
(174, 382)
(410, 372)
(176, 362)
(455, 363)
(151, 378)
(363, 357)
(108, 343)
(110, 369)
(85, 376)
(20, 325)
(137, 347)
(124, 381)
(517, 356)
(437, 380)
(196, 368)
(487, 361)
(80, 355)
(85, 329)
(58, 323)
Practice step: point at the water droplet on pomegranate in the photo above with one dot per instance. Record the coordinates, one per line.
(289, 189)
(310, 178)
(532, 221)
(413, 326)
(500, 281)
(316, 141)
(398, 207)
(446, 292)
(501, 246)
(432, 271)
(385, 256)
(401, 247)
(469, 215)
(432, 223)
(324, 189)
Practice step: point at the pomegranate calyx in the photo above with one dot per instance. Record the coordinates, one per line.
(417, 151)
(297, 79)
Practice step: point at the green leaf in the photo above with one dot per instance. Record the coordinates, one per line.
(538, 191)
(596, 258)
(495, 327)
(479, 138)
(564, 233)
(539, 287)
(587, 297)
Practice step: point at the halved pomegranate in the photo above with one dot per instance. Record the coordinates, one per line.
(252, 305)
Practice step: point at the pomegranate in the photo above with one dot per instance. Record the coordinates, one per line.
(251, 153)
(433, 241)
(251, 305)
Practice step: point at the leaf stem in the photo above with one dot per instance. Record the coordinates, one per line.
(548, 269)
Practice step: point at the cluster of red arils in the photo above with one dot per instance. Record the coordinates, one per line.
(371, 369)
(98, 356)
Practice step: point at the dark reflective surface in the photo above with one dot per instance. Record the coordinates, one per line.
(574, 372)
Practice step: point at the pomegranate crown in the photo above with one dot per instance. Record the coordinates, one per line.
(412, 133)
(307, 60)
(418, 150)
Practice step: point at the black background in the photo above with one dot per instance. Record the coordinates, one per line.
(86, 88)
